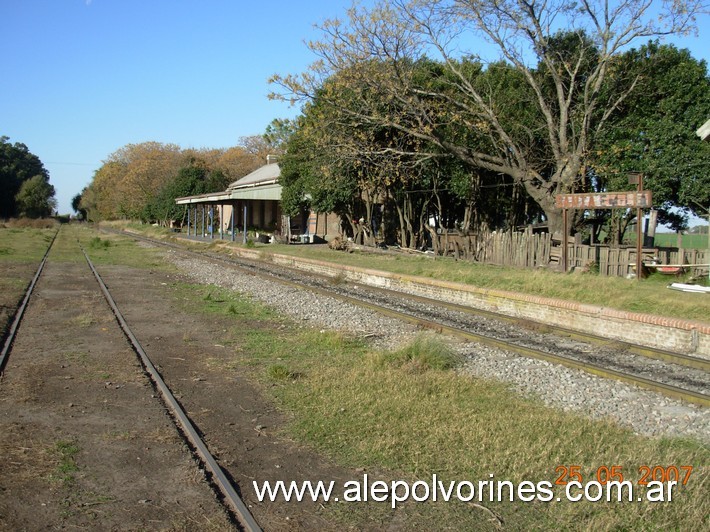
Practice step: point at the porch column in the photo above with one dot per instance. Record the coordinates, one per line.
(244, 238)
(234, 208)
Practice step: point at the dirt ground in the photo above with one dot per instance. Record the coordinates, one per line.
(86, 443)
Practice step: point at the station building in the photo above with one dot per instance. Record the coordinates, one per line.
(253, 204)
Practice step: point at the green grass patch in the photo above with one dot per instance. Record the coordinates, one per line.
(65, 452)
(24, 245)
(84, 320)
(103, 250)
(688, 241)
(417, 423)
(97, 243)
(213, 299)
(279, 372)
(426, 352)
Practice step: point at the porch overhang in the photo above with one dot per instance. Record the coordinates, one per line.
(216, 197)
(266, 192)
(262, 192)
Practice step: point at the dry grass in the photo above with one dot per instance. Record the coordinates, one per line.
(84, 320)
(24, 460)
(30, 223)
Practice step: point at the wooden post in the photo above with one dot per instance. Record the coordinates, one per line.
(564, 241)
(639, 232)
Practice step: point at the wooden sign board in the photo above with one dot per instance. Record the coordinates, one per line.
(604, 200)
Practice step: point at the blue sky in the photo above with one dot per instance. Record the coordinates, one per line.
(82, 78)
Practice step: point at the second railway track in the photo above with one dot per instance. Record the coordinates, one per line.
(227, 494)
(227, 490)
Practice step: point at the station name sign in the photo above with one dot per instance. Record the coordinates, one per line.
(604, 200)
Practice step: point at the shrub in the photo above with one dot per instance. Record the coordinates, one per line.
(424, 353)
(278, 372)
(98, 243)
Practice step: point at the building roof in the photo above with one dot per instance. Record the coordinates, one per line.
(266, 175)
(704, 131)
(261, 184)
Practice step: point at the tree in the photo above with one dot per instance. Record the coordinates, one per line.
(256, 146)
(190, 180)
(653, 132)
(36, 198)
(17, 165)
(102, 199)
(367, 171)
(278, 133)
(236, 162)
(129, 179)
(88, 203)
(312, 178)
(76, 205)
(564, 74)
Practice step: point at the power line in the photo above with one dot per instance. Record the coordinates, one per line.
(71, 164)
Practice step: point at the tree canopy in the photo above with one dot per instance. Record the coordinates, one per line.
(653, 131)
(36, 198)
(141, 181)
(17, 167)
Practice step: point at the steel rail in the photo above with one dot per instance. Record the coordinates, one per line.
(20, 311)
(595, 369)
(225, 486)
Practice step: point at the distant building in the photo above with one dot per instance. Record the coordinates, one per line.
(255, 201)
(704, 132)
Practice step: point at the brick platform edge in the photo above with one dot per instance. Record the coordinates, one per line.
(678, 335)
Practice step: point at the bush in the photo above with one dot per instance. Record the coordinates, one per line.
(279, 372)
(424, 353)
(97, 243)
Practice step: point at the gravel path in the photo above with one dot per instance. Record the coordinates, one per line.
(645, 412)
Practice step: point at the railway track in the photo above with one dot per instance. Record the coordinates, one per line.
(672, 374)
(16, 319)
(228, 495)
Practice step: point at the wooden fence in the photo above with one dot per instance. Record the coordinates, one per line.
(532, 250)
(521, 249)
